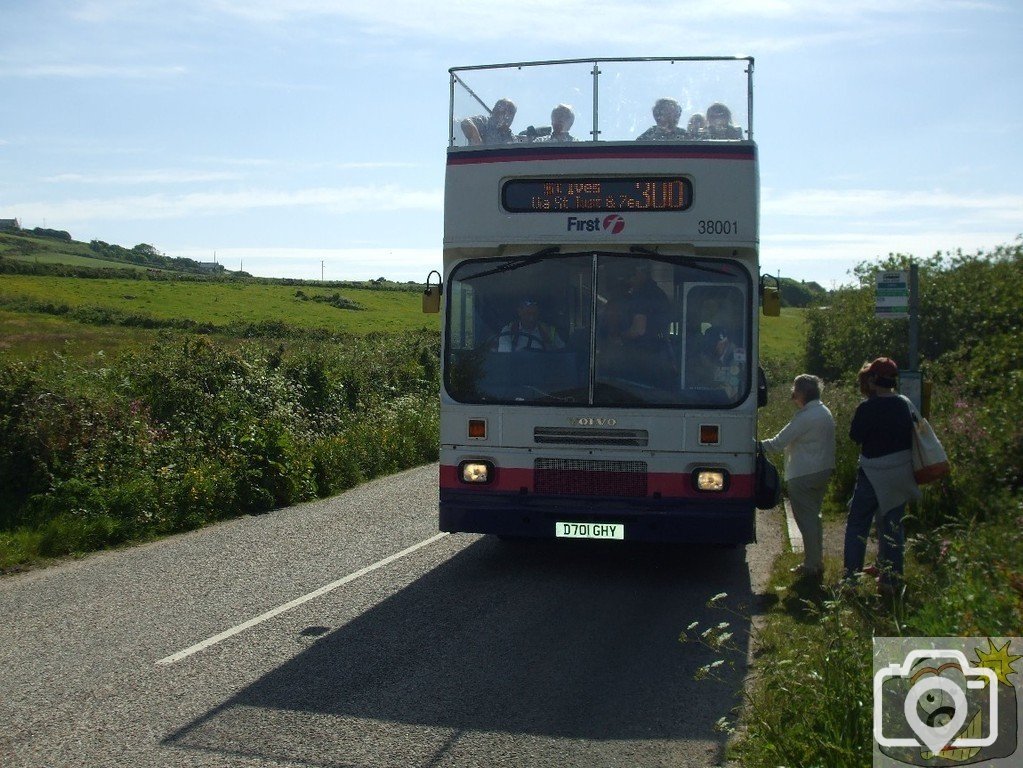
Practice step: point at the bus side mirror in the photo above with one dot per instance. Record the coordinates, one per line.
(770, 298)
(432, 294)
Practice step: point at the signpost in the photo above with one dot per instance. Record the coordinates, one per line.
(897, 295)
(891, 298)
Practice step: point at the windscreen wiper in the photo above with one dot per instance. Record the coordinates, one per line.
(516, 263)
(688, 261)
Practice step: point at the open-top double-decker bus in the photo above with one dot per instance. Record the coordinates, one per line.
(601, 285)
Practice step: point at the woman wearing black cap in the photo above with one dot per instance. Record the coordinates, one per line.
(883, 428)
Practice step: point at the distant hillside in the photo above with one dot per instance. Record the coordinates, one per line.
(52, 246)
(799, 293)
(53, 252)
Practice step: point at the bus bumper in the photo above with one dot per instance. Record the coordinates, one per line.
(695, 521)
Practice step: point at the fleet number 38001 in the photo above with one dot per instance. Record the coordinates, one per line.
(717, 227)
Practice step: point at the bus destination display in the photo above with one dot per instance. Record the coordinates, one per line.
(650, 193)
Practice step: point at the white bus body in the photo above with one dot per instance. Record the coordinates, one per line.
(599, 335)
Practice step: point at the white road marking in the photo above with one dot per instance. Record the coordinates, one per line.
(173, 658)
(795, 537)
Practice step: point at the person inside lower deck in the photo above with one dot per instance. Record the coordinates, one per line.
(636, 330)
(527, 332)
(715, 348)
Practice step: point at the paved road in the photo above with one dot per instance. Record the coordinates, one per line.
(465, 652)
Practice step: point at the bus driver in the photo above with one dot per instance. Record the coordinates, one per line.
(527, 332)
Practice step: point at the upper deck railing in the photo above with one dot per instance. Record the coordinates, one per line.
(681, 98)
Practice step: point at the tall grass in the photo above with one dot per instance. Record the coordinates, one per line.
(810, 701)
(173, 436)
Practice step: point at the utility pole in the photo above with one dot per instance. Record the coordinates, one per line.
(914, 317)
(321, 270)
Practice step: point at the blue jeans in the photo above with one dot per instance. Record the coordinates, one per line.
(890, 533)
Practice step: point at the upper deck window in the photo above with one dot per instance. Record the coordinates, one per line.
(682, 99)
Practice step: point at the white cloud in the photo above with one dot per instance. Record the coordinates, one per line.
(606, 21)
(800, 237)
(828, 258)
(106, 11)
(372, 165)
(412, 12)
(399, 264)
(144, 177)
(161, 206)
(86, 71)
(875, 203)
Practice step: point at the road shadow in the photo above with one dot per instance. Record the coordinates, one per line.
(529, 643)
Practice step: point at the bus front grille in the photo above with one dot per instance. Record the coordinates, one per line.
(573, 436)
(578, 477)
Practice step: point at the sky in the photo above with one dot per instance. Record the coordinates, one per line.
(307, 138)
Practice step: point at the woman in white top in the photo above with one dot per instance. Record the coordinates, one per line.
(809, 445)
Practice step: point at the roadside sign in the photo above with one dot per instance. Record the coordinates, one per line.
(911, 385)
(891, 297)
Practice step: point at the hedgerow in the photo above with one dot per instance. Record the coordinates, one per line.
(177, 435)
(964, 567)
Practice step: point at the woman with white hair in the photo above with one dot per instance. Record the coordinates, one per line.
(808, 441)
(667, 113)
(562, 118)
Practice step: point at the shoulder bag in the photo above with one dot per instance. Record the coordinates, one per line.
(930, 462)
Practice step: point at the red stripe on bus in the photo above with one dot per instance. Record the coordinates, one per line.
(669, 485)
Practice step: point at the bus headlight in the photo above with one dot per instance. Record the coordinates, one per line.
(710, 480)
(476, 471)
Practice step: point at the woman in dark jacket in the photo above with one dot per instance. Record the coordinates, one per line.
(883, 427)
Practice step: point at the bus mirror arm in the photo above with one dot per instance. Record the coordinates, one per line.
(432, 294)
(770, 298)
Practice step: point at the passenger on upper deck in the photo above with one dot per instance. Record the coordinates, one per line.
(562, 118)
(667, 113)
(492, 129)
(697, 126)
(719, 123)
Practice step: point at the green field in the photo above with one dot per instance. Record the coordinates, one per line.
(784, 337)
(26, 332)
(26, 336)
(221, 304)
(72, 259)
